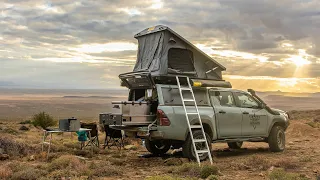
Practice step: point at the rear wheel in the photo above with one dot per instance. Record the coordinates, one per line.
(277, 139)
(188, 150)
(235, 145)
(158, 147)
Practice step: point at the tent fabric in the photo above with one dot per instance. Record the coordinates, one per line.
(161, 51)
(149, 52)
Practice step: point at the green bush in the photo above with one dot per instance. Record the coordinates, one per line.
(208, 170)
(43, 120)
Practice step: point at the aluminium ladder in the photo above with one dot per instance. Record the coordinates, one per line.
(193, 127)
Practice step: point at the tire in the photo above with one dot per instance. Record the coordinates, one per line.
(235, 145)
(188, 150)
(157, 147)
(277, 139)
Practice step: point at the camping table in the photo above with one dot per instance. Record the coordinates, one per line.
(47, 133)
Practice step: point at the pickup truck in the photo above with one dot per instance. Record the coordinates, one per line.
(228, 115)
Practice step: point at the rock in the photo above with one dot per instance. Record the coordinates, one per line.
(291, 143)
(271, 169)
(24, 128)
(4, 157)
(261, 174)
(130, 147)
(32, 158)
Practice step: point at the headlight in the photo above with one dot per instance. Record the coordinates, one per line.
(286, 114)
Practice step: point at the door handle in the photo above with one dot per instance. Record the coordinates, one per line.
(222, 112)
(245, 112)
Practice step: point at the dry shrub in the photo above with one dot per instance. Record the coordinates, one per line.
(117, 162)
(5, 172)
(14, 148)
(10, 131)
(287, 164)
(281, 174)
(107, 171)
(257, 162)
(194, 170)
(67, 162)
(314, 124)
(169, 178)
(305, 159)
(29, 173)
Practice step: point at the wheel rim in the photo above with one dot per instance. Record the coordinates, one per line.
(160, 145)
(280, 139)
(239, 144)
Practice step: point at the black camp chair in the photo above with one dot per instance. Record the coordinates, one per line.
(113, 138)
(94, 141)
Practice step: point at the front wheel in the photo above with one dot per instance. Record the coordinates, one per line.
(188, 150)
(158, 147)
(277, 139)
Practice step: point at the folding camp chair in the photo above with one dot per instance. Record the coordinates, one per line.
(113, 138)
(94, 141)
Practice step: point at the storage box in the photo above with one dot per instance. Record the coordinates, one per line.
(131, 108)
(71, 124)
(110, 119)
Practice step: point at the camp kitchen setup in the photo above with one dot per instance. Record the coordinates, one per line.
(71, 125)
(164, 57)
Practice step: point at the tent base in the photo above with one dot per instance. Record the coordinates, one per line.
(144, 80)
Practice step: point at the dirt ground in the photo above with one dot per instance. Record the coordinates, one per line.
(301, 159)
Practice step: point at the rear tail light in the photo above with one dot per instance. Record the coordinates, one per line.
(163, 119)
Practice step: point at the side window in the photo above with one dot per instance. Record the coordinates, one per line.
(223, 98)
(246, 101)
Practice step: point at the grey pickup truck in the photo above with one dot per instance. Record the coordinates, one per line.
(228, 115)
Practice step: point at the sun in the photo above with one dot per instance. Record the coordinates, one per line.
(301, 59)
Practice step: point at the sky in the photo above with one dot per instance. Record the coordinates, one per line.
(267, 45)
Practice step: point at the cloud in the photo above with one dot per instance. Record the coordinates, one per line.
(251, 38)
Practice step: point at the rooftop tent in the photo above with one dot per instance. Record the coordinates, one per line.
(162, 51)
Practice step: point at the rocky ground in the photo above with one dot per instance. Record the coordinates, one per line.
(21, 157)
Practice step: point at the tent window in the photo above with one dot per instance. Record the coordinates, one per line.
(180, 59)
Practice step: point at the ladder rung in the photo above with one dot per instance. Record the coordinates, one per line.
(202, 151)
(195, 126)
(185, 89)
(46, 143)
(188, 100)
(199, 140)
(192, 113)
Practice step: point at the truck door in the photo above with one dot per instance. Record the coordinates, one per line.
(228, 115)
(254, 118)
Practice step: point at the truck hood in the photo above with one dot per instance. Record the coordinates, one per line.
(278, 110)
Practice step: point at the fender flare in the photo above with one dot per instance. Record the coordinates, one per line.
(277, 121)
(207, 125)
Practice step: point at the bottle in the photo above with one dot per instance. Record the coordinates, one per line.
(143, 143)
